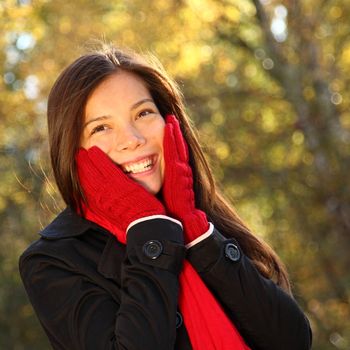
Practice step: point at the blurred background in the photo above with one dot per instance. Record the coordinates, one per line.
(266, 83)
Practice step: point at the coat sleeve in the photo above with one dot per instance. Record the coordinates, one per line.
(266, 316)
(76, 313)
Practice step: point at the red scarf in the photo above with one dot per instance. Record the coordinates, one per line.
(207, 325)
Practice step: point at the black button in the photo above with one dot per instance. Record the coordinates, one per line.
(178, 319)
(152, 249)
(232, 252)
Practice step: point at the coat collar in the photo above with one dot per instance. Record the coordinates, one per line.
(69, 224)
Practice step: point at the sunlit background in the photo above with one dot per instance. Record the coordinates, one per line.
(266, 83)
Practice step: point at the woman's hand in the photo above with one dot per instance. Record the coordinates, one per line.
(110, 193)
(177, 188)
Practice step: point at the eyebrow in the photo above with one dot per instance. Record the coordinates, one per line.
(104, 117)
(135, 105)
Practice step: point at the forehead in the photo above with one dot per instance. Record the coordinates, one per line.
(122, 86)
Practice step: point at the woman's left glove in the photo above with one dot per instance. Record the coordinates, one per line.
(177, 190)
(110, 193)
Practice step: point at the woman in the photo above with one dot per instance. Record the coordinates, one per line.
(147, 254)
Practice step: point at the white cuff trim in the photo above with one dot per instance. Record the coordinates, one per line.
(151, 217)
(203, 236)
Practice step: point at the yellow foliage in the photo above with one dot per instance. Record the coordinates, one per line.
(250, 70)
(233, 14)
(345, 120)
(298, 137)
(19, 197)
(307, 158)
(309, 93)
(218, 118)
(293, 157)
(65, 25)
(245, 7)
(222, 150)
(345, 55)
(277, 156)
(207, 10)
(269, 120)
(335, 12)
(2, 203)
(251, 212)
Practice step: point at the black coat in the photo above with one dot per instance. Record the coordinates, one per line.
(89, 291)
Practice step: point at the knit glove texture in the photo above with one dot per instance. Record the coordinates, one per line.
(110, 193)
(177, 190)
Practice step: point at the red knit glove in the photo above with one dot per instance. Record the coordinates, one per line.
(110, 193)
(177, 188)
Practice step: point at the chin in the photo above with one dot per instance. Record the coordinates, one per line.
(151, 188)
(153, 191)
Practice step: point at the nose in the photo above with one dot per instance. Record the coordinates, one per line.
(129, 138)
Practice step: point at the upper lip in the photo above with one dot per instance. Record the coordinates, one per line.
(138, 159)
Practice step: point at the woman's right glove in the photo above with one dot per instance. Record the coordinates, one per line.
(111, 195)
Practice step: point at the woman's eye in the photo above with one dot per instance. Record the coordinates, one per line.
(145, 112)
(99, 128)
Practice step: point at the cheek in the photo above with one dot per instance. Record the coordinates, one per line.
(104, 143)
(160, 130)
(154, 131)
(160, 137)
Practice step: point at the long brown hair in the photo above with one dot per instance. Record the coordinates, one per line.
(66, 105)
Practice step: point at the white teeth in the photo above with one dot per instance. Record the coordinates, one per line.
(138, 167)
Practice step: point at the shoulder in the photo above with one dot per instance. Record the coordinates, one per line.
(66, 238)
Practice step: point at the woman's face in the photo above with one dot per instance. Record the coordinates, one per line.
(122, 119)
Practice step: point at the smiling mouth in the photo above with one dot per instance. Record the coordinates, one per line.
(139, 167)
